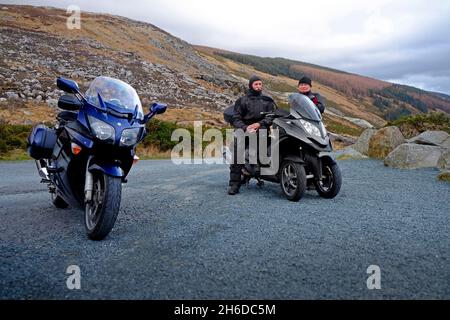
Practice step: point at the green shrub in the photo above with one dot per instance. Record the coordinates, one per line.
(13, 137)
(159, 134)
(413, 125)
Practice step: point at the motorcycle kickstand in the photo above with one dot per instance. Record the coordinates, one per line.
(260, 182)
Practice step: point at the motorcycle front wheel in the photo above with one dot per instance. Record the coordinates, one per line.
(101, 212)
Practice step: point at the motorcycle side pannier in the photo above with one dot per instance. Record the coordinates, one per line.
(41, 142)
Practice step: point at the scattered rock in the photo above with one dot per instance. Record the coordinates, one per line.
(360, 122)
(52, 103)
(414, 156)
(384, 141)
(12, 95)
(362, 144)
(444, 176)
(77, 74)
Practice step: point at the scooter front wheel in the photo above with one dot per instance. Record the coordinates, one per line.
(101, 212)
(293, 180)
(331, 182)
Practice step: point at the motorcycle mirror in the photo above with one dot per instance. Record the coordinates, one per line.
(67, 85)
(158, 108)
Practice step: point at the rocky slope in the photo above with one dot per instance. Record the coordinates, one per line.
(36, 47)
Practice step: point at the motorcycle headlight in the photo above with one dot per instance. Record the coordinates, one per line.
(102, 130)
(310, 128)
(129, 137)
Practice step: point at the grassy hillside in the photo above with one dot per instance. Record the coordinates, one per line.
(392, 101)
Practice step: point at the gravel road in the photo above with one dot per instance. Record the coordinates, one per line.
(180, 236)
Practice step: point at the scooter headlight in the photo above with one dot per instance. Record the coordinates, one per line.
(310, 128)
(129, 137)
(102, 130)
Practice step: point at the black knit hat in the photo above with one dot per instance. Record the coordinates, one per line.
(305, 80)
(252, 80)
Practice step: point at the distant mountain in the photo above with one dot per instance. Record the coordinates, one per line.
(441, 95)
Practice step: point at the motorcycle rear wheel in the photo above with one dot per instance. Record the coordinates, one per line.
(101, 212)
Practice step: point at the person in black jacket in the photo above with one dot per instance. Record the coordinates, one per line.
(304, 87)
(247, 116)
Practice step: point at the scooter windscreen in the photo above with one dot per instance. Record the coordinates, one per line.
(115, 94)
(303, 107)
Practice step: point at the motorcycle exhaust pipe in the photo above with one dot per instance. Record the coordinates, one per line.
(43, 173)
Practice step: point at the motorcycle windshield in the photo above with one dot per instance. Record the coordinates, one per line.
(115, 94)
(303, 107)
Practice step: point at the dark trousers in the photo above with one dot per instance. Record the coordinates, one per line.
(235, 167)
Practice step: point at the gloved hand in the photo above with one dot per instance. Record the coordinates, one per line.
(315, 100)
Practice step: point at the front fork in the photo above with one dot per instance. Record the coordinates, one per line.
(89, 183)
(315, 163)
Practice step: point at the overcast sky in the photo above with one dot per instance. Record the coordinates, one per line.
(404, 41)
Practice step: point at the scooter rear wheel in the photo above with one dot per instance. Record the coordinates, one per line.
(293, 180)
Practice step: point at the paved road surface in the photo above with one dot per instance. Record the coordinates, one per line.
(179, 236)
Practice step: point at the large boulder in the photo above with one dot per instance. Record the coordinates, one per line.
(362, 144)
(349, 154)
(414, 156)
(433, 138)
(445, 144)
(384, 141)
(444, 161)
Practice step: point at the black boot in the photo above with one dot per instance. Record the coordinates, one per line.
(233, 189)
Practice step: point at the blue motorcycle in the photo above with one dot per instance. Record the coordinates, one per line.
(87, 156)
